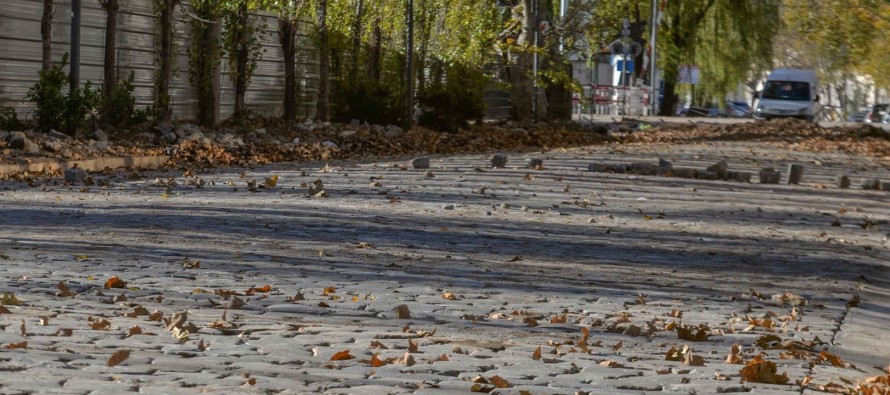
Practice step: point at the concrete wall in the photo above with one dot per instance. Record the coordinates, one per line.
(20, 52)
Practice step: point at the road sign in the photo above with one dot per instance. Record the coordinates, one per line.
(688, 74)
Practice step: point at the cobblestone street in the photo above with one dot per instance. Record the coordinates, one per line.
(452, 279)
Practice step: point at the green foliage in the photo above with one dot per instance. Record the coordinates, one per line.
(9, 120)
(56, 109)
(369, 101)
(238, 36)
(448, 106)
(120, 108)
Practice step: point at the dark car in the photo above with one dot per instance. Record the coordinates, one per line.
(880, 113)
(738, 109)
(694, 111)
(860, 116)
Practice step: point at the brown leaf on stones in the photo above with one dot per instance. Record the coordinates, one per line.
(23, 329)
(156, 316)
(64, 291)
(341, 356)
(609, 363)
(834, 360)
(693, 360)
(379, 345)
(115, 282)
(13, 346)
(329, 290)
(499, 382)
(675, 313)
(134, 330)
(515, 258)
(449, 296)
(674, 354)
(759, 370)
(537, 353)
(854, 301)
(756, 294)
(99, 324)
(137, 311)
(402, 312)
(559, 319)
(699, 334)
(412, 345)
(481, 388)
(789, 298)
(64, 332)
(296, 298)
(323, 304)
(118, 357)
(735, 355)
(407, 360)
(530, 321)
(203, 346)
(618, 346)
(4, 310)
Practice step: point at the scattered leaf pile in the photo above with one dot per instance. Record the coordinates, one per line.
(795, 134)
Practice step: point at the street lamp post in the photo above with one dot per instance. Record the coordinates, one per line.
(652, 46)
(74, 72)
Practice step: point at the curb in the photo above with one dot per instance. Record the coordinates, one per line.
(94, 164)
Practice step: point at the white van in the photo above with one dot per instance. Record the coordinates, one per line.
(790, 93)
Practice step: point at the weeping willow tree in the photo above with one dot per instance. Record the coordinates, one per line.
(731, 48)
(727, 39)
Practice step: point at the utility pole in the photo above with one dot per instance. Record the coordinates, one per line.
(652, 46)
(74, 74)
(409, 100)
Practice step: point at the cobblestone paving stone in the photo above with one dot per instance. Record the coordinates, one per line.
(486, 284)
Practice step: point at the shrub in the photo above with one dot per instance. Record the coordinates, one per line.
(120, 108)
(57, 110)
(368, 101)
(448, 106)
(9, 120)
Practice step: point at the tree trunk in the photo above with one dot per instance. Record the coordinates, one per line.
(287, 37)
(165, 63)
(321, 112)
(110, 65)
(669, 98)
(205, 68)
(375, 56)
(522, 90)
(242, 57)
(357, 38)
(46, 33)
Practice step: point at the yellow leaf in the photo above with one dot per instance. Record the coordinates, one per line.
(81, 258)
(449, 296)
(271, 182)
(328, 290)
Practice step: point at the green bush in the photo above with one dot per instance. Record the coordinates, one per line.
(448, 106)
(120, 109)
(9, 120)
(368, 101)
(57, 110)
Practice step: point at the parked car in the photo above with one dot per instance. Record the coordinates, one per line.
(693, 111)
(860, 116)
(880, 113)
(790, 93)
(738, 109)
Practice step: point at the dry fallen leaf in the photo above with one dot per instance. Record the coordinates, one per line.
(99, 325)
(376, 362)
(693, 360)
(134, 330)
(735, 355)
(9, 299)
(118, 357)
(4, 310)
(499, 382)
(537, 353)
(377, 344)
(609, 363)
(271, 182)
(449, 296)
(341, 356)
(696, 335)
(64, 291)
(618, 346)
(759, 370)
(412, 345)
(13, 346)
(559, 319)
(402, 312)
(407, 360)
(115, 282)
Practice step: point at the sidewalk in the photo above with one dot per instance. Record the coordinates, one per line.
(515, 280)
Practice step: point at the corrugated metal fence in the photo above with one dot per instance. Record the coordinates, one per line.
(20, 52)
